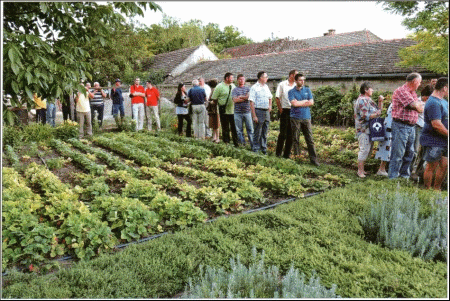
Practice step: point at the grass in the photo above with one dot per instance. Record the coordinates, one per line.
(320, 233)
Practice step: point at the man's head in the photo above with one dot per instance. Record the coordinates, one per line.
(299, 80)
(195, 82)
(241, 80)
(88, 85)
(149, 84)
(118, 82)
(262, 77)
(137, 80)
(442, 86)
(228, 78)
(426, 92)
(433, 82)
(414, 80)
(96, 85)
(292, 74)
(201, 81)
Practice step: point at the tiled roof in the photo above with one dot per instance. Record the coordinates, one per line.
(358, 60)
(363, 36)
(170, 60)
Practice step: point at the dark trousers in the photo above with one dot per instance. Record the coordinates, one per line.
(99, 109)
(227, 121)
(303, 125)
(188, 119)
(41, 116)
(66, 111)
(285, 136)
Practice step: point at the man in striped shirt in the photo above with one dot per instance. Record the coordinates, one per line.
(97, 103)
(242, 113)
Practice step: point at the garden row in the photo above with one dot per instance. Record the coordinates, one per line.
(143, 185)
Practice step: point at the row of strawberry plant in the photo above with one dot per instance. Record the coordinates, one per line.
(111, 160)
(64, 149)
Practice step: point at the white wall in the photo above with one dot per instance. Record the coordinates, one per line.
(202, 53)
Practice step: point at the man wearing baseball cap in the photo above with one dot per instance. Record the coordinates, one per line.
(117, 99)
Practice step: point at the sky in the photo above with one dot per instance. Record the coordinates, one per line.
(259, 20)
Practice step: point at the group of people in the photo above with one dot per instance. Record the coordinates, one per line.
(416, 130)
(232, 107)
(144, 102)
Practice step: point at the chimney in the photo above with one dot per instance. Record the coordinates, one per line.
(331, 32)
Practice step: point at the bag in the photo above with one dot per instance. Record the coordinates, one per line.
(211, 108)
(223, 108)
(377, 129)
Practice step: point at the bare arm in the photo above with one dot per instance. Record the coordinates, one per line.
(439, 127)
(252, 108)
(278, 100)
(416, 105)
(302, 103)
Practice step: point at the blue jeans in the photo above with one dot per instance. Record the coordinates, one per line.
(239, 120)
(402, 150)
(260, 130)
(51, 114)
(116, 108)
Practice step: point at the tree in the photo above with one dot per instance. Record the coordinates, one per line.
(429, 21)
(44, 44)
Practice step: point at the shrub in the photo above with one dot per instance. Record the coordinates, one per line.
(12, 135)
(38, 132)
(255, 282)
(329, 100)
(67, 130)
(396, 223)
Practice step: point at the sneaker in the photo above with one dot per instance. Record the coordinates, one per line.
(361, 175)
(382, 173)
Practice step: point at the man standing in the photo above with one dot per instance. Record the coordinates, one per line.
(207, 89)
(117, 100)
(84, 110)
(260, 104)
(222, 96)
(434, 136)
(152, 95)
(137, 94)
(284, 107)
(405, 112)
(97, 103)
(301, 99)
(242, 112)
(197, 97)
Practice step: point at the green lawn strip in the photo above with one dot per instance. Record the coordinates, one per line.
(320, 233)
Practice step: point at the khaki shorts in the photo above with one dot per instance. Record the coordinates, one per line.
(365, 146)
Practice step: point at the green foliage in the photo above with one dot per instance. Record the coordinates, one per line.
(12, 135)
(327, 101)
(57, 163)
(430, 25)
(255, 282)
(11, 155)
(67, 130)
(37, 132)
(37, 60)
(397, 224)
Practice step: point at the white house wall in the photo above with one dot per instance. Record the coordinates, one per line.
(202, 53)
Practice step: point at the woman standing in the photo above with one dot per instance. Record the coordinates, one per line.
(213, 113)
(364, 109)
(182, 110)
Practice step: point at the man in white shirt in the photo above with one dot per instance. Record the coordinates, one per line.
(207, 89)
(284, 108)
(260, 99)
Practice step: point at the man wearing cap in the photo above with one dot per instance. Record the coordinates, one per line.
(137, 94)
(117, 99)
(151, 106)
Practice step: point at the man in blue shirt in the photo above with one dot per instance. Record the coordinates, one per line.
(117, 100)
(434, 137)
(301, 99)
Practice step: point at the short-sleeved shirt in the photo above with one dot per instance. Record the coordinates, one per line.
(260, 95)
(197, 95)
(222, 93)
(98, 97)
(83, 103)
(401, 98)
(137, 99)
(303, 94)
(40, 104)
(116, 96)
(283, 93)
(435, 109)
(363, 108)
(207, 90)
(152, 96)
(241, 107)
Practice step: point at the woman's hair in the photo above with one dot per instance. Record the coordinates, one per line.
(180, 85)
(213, 83)
(364, 87)
(426, 91)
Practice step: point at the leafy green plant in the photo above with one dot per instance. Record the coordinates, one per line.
(57, 163)
(255, 281)
(67, 130)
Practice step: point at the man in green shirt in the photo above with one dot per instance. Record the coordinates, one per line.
(222, 93)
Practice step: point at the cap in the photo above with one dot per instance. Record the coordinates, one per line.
(118, 80)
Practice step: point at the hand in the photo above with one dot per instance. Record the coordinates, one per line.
(255, 119)
(380, 98)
